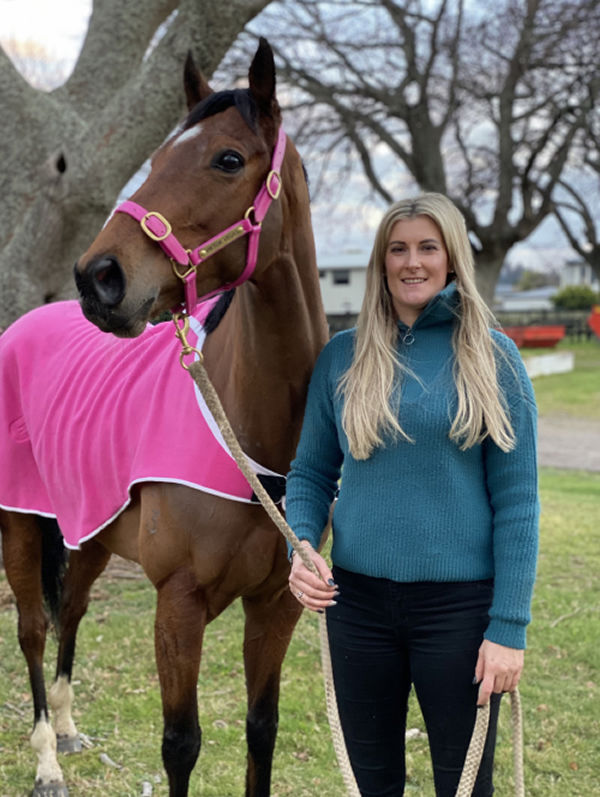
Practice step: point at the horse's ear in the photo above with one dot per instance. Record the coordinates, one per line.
(196, 87)
(261, 77)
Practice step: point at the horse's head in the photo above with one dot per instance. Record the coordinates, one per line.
(204, 179)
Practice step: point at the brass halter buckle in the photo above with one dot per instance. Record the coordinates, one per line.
(162, 220)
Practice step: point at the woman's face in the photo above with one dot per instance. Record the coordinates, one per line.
(416, 265)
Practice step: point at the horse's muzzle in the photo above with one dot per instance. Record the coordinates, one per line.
(102, 282)
(102, 288)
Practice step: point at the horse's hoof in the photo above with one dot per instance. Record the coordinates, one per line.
(68, 744)
(50, 790)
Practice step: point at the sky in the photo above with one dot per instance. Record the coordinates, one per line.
(60, 25)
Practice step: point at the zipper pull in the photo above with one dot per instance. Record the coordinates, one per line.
(408, 338)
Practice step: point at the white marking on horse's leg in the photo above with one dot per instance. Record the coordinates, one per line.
(43, 741)
(60, 698)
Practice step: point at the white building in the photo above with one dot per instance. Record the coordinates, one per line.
(578, 272)
(342, 278)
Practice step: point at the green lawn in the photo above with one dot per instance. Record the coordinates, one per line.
(117, 696)
(576, 393)
(117, 701)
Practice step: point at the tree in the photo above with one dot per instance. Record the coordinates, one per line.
(67, 153)
(483, 102)
(577, 208)
(530, 280)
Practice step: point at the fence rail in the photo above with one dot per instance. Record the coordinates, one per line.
(574, 321)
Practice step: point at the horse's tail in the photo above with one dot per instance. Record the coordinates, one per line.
(55, 557)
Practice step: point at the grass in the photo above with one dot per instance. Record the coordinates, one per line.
(118, 705)
(574, 394)
(117, 697)
(117, 701)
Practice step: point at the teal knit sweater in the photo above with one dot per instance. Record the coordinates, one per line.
(425, 511)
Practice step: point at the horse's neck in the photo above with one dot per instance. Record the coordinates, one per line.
(261, 356)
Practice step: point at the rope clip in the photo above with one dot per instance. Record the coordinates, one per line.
(181, 333)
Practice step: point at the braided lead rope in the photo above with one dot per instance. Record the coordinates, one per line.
(337, 736)
(200, 376)
(517, 739)
(198, 372)
(474, 752)
(476, 745)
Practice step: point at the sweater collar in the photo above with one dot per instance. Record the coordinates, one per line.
(442, 308)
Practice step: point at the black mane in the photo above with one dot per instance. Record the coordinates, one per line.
(215, 316)
(220, 101)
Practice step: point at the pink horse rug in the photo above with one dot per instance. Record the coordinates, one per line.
(85, 415)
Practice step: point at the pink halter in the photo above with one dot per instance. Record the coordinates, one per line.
(158, 229)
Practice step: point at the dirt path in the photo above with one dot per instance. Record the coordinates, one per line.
(565, 442)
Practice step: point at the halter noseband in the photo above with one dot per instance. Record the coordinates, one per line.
(158, 229)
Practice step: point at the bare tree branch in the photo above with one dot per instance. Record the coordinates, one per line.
(487, 103)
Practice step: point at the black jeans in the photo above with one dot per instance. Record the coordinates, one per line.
(385, 636)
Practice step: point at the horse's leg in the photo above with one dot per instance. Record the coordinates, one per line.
(85, 566)
(269, 626)
(22, 554)
(179, 629)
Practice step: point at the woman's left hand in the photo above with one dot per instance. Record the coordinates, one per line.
(498, 669)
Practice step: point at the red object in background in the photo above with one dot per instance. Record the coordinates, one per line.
(536, 337)
(594, 320)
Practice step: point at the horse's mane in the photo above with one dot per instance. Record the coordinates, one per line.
(241, 99)
(214, 318)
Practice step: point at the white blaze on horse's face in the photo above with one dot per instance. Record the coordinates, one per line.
(181, 138)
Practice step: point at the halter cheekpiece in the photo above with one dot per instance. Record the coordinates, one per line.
(156, 227)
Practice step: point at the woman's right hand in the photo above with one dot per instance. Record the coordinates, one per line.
(313, 592)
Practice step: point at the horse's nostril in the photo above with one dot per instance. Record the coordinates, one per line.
(102, 280)
(102, 274)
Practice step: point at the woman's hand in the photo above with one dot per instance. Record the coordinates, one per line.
(311, 591)
(498, 669)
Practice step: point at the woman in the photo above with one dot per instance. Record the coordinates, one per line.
(431, 416)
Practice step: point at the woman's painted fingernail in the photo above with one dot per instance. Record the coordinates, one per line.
(475, 681)
(331, 582)
(332, 603)
(320, 611)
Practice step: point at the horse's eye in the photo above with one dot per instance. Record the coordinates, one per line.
(228, 161)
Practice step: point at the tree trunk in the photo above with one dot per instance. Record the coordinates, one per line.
(488, 264)
(592, 257)
(68, 153)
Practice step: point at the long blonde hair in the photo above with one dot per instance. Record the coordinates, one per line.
(370, 413)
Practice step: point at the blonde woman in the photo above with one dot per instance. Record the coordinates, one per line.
(427, 414)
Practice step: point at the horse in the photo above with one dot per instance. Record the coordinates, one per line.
(228, 165)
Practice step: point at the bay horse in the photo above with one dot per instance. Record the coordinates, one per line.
(229, 161)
